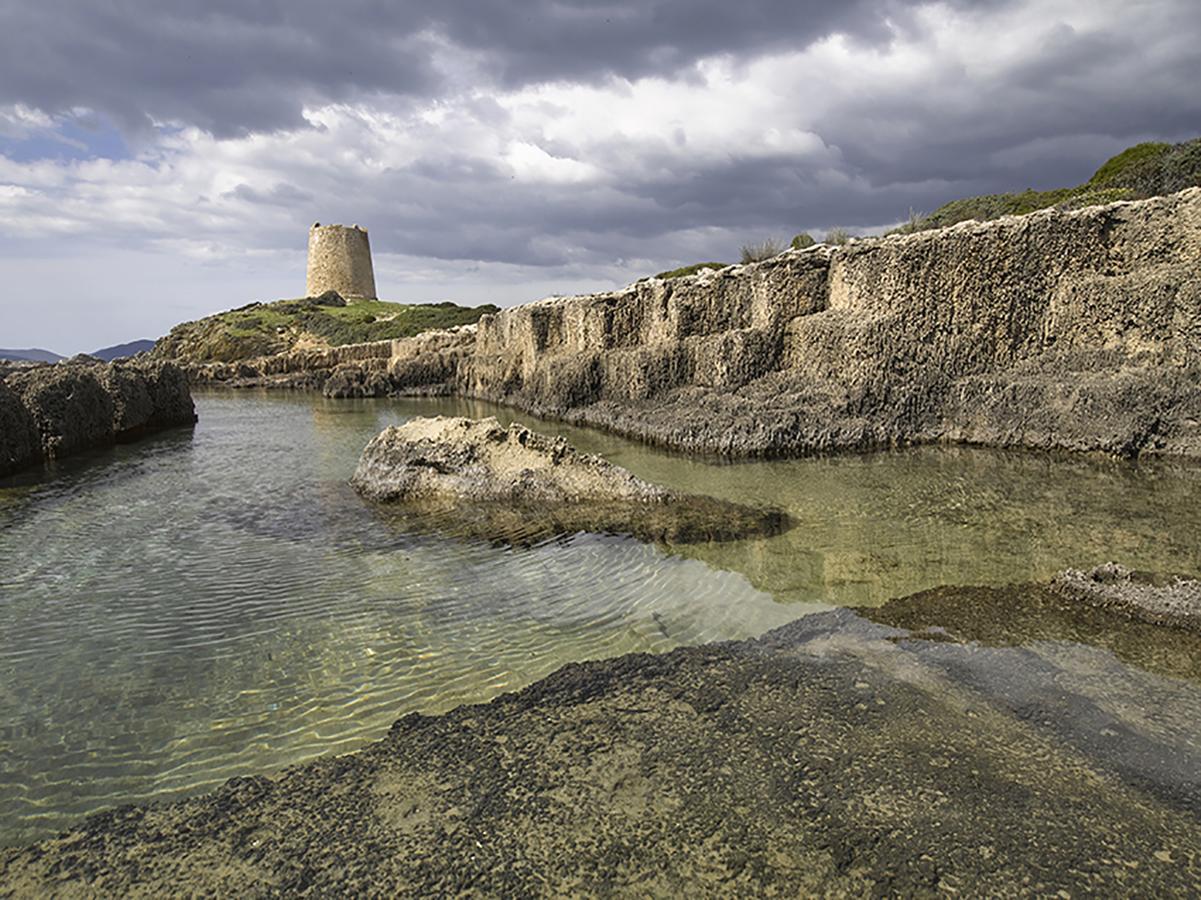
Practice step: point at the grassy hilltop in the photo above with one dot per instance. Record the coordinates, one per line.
(1138, 172)
(261, 329)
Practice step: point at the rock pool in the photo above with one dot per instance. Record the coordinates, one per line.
(218, 602)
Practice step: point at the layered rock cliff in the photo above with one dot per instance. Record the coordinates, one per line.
(1078, 330)
(48, 412)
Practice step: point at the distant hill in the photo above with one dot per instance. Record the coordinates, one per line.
(33, 354)
(263, 329)
(1138, 172)
(108, 354)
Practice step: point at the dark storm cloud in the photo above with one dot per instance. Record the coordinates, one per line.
(988, 97)
(583, 39)
(227, 66)
(1071, 99)
(236, 66)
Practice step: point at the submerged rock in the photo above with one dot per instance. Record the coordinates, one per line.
(1159, 599)
(49, 412)
(831, 757)
(478, 478)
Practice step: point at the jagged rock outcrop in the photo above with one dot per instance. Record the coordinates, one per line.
(20, 442)
(1078, 330)
(1159, 599)
(456, 458)
(474, 477)
(48, 412)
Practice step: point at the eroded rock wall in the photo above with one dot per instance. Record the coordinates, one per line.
(49, 412)
(1078, 330)
(718, 330)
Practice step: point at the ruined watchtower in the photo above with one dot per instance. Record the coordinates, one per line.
(340, 260)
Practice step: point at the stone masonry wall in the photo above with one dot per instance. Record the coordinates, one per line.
(340, 260)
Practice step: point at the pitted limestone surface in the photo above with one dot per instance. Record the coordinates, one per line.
(474, 477)
(49, 412)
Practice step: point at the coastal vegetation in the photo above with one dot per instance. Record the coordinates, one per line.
(1138, 172)
(263, 329)
(690, 270)
(753, 253)
(1145, 170)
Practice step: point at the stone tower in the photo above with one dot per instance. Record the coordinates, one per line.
(340, 260)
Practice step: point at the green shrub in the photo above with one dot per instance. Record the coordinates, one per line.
(690, 270)
(1144, 170)
(752, 253)
(1098, 197)
(1181, 168)
(803, 240)
(1132, 164)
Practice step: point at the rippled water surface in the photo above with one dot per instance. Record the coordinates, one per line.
(218, 602)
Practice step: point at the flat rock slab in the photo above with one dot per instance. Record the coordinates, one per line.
(832, 757)
(475, 478)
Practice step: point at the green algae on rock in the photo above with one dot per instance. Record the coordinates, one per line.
(834, 756)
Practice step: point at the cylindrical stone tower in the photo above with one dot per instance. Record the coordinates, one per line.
(340, 260)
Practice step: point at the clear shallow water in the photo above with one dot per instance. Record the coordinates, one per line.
(219, 602)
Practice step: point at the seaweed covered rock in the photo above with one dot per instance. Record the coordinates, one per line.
(832, 757)
(72, 409)
(477, 478)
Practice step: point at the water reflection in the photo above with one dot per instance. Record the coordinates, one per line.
(875, 526)
(219, 602)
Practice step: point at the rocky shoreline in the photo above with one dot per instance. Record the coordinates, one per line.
(48, 412)
(1056, 330)
(838, 755)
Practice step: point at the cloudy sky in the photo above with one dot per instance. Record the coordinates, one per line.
(163, 160)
